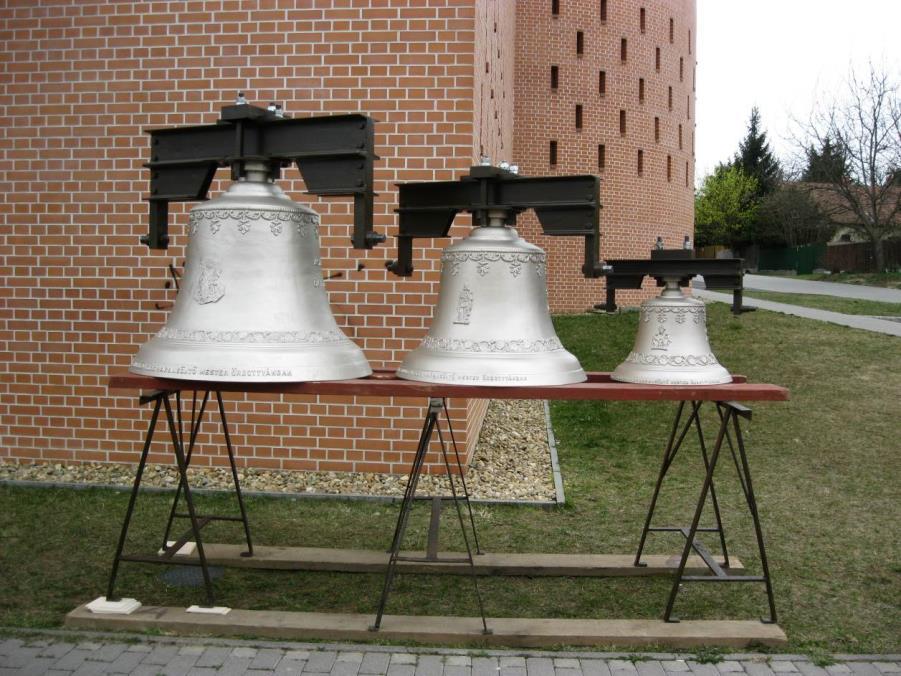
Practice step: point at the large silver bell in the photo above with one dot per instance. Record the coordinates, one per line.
(671, 347)
(252, 306)
(492, 325)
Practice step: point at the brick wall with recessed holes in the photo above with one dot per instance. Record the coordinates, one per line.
(638, 206)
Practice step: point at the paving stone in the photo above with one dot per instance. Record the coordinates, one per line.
(345, 668)
(124, 664)
(374, 663)
(56, 650)
(454, 670)
(838, 669)
(212, 656)
(888, 667)
(650, 668)
(783, 666)
(244, 651)
(401, 669)
(89, 645)
(485, 666)
(320, 661)
(755, 668)
(192, 650)
(729, 667)
(810, 669)
(540, 666)
(90, 669)
(675, 665)
(37, 667)
(512, 661)
(864, 669)
(107, 652)
(595, 668)
(566, 663)
(139, 648)
(348, 656)
(622, 667)
(513, 671)
(703, 669)
(203, 671)
(234, 666)
(72, 660)
(568, 672)
(267, 658)
(10, 644)
(289, 667)
(403, 658)
(161, 654)
(146, 670)
(179, 665)
(56, 672)
(21, 656)
(297, 655)
(429, 665)
(457, 661)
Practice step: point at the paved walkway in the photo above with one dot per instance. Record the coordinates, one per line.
(61, 653)
(887, 326)
(791, 285)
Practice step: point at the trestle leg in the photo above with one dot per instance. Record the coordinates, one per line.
(430, 426)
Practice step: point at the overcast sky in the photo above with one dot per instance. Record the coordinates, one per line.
(779, 55)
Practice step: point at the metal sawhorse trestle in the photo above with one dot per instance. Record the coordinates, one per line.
(431, 425)
(729, 412)
(183, 461)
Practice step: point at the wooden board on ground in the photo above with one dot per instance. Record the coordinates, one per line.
(489, 563)
(519, 632)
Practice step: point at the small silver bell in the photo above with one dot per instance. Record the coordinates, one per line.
(492, 325)
(671, 347)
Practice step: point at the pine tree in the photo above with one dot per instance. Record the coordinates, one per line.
(755, 159)
(825, 165)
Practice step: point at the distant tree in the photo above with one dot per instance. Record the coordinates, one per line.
(865, 128)
(790, 216)
(725, 207)
(755, 159)
(827, 164)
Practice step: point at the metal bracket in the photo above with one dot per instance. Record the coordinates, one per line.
(565, 205)
(335, 156)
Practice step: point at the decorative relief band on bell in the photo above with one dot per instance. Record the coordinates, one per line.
(698, 314)
(277, 219)
(671, 360)
(281, 337)
(484, 259)
(213, 372)
(510, 346)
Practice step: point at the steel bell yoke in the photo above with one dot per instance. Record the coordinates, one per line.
(492, 324)
(252, 306)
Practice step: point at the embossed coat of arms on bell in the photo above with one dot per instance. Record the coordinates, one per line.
(252, 306)
(492, 324)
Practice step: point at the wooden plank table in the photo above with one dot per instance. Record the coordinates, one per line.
(694, 560)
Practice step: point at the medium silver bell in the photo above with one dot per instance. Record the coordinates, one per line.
(252, 306)
(492, 324)
(671, 347)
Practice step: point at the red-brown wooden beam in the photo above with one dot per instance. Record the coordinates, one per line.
(598, 387)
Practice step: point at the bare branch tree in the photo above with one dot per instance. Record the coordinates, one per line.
(865, 127)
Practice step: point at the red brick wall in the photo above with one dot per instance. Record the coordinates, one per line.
(636, 208)
(83, 79)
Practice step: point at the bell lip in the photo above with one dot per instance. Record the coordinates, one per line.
(453, 378)
(667, 378)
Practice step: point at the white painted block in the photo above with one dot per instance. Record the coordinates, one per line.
(185, 550)
(121, 607)
(209, 610)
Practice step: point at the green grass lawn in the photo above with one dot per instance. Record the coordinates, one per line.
(891, 280)
(826, 468)
(848, 306)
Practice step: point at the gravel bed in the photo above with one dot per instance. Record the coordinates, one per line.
(511, 462)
